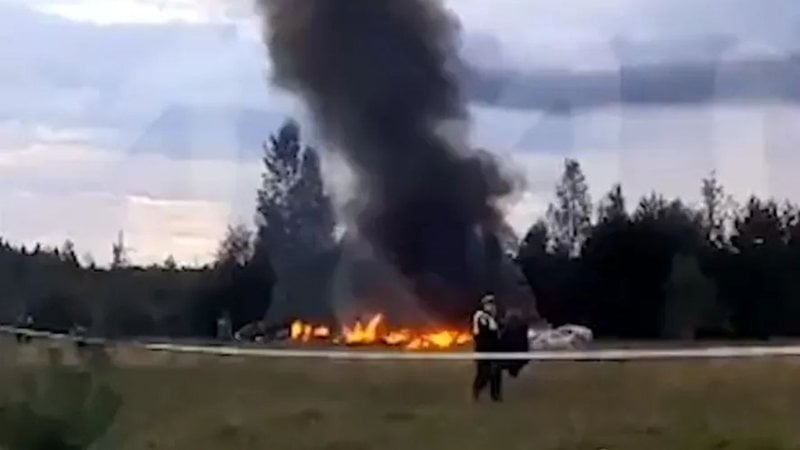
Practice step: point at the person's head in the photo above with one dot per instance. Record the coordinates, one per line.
(488, 304)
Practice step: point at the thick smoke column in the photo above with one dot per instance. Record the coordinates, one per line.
(376, 75)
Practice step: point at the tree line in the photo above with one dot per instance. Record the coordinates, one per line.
(665, 269)
(254, 269)
(658, 268)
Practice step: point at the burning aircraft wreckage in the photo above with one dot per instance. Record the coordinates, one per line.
(374, 332)
(378, 77)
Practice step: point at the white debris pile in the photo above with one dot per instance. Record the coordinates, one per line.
(565, 337)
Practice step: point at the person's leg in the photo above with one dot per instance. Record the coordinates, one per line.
(496, 382)
(482, 378)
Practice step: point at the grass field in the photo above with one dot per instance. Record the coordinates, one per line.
(187, 402)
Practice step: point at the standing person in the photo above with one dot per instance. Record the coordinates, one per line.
(24, 323)
(224, 327)
(78, 334)
(486, 335)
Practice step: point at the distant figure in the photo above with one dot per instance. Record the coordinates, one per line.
(78, 334)
(486, 334)
(224, 327)
(24, 322)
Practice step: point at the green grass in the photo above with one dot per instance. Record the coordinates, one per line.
(190, 402)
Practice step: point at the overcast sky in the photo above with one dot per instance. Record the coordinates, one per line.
(145, 115)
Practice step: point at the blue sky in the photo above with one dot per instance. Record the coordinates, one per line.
(145, 115)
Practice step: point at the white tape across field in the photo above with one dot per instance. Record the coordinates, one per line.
(717, 352)
(588, 355)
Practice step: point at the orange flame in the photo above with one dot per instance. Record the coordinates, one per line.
(322, 332)
(374, 332)
(397, 337)
(297, 329)
(304, 332)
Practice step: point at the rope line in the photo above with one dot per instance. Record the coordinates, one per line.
(715, 352)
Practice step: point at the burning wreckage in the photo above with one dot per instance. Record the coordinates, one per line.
(375, 332)
(378, 77)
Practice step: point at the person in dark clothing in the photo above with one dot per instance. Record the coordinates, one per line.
(514, 338)
(224, 327)
(486, 335)
(78, 335)
(24, 321)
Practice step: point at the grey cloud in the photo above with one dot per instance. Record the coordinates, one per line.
(666, 83)
(162, 86)
(773, 21)
(528, 57)
(138, 78)
(723, 51)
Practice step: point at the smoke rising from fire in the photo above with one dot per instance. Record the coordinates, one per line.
(378, 78)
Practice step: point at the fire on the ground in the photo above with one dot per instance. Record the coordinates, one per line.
(375, 332)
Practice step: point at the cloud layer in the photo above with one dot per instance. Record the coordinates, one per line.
(148, 116)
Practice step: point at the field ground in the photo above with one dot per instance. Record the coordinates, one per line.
(187, 402)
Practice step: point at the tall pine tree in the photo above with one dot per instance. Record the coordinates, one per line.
(295, 225)
(571, 216)
(716, 210)
(612, 208)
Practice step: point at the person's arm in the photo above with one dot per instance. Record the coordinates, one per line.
(482, 319)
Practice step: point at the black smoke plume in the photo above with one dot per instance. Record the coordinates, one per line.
(377, 76)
